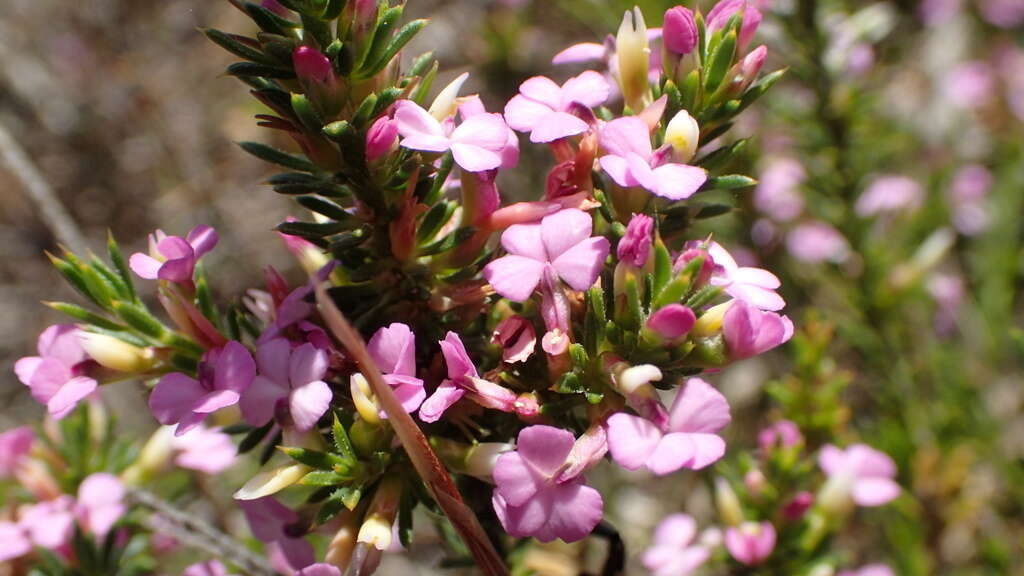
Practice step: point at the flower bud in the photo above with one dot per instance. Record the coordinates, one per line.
(446, 103)
(271, 481)
(635, 246)
(517, 339)
(750, 543)
(722, 13)
(679, 31)
(672, 322)
(710, 322)
(755, 482)
(363, 398)
(683, 134)
(376, 529)
(117, 354)
(634, 55)
(749, 68)
(312, 67)
(341, 546)
(728, 504)
(801, 502)
(632, 379)
(155, 456)
(381, 139)
(707, 267)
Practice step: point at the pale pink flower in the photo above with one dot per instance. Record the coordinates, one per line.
(635, 246)
(754, 286)
(14, 541)
(674, 552)
(531, 498)
(816, 242)
(544, 109)
(15, 445)
(1003, 13)
(970, 85)
(686, 438)
(476, 144)
(631, 161)
(56, 378)
(781, 434)
(394, 349)
(750, 543)
(778, 190)
(288, 377)
(100, 503)
(206, 450)
(749, 331)
(859, 472)
(869, 570)
(517, 339)
(208, 568)
(720, 15)
(48, 524)
(173, 258)
(381, 138)
(889, 194)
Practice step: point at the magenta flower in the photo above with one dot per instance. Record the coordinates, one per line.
(544, 108)
(517, 339)
(720, 15)
(560, 243)
(476, 144)
(631, 161)
(781, 434)
(381, 138)
(860, 472)
(15, 445)
(672, 322)
(674, 552)
(889, 194)
(100, 503)
(750, 543)
(173, 258)
(288, 377)
(208, 568)
(530, 498)
(312, 66)
(755, 286)
(749, 331)
(679, 31)
(394, 349)
(271, 522)
(816, 242)
(224, 374)
(635, 246)
(206, 450)
(686, 438)
(869, 570)
(57, 377)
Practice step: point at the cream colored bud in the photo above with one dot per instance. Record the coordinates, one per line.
(155, 455)
(682, 134)
(339, 551)
(481, 458)
(376, 528)
(729, 508)
(271, 481)
(445, 105)
(365, 401)
(634, 54)
(835, 498)
(634, 378)
(710, 323)
(117, 354)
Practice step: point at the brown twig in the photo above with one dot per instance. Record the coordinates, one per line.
(415, 443)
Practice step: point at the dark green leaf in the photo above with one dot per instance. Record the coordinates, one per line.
(275, 156)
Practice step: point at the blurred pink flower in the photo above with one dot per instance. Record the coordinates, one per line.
(966, 197)
(750, 543)
(816, 242)
(14, 541)
(631, 161)
(861, 473)
(777, 194)
(544, 108)
(1003, 13)
(289, 377)
(889, 194)
(204, 449)
(48, 524)
(749, 331)
(722, 12)
(970, 85)
(320, 569)
(208, 568)
(271, 522)
(781, 434)
(532, 500)
(869, 570)
(394, 349)
(15, 445)
(173, 258)
(686, 438)
(476, 144)
(673, 552)
(100, 503)
(938, 12)
(224, 374)
(56, 378)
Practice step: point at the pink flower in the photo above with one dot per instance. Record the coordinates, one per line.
(394, 349)
(816, 242)
(679, 31)
(632, 162)
(517, 339)
(204, 449)
(288, 377)
(56, 377)
(530, 498)
(15, 445)
(777, 194)
(100, 503)
(273, 523)
(869, 570)
(224, 374)
(970, 85)
(474, 106)
(860, 472)
(749, 331)
(720, 15)
(544, 108)
(674, 552)
(1003, 13)
(755, 286)
(14, 541)
(560, 243)
(684, 439)
(966, 198)
(672, 322)
(476, 144)
(381, 138)
(173, 258)
(783, 434)
(48, 524)
(635, 246)
(889, 194)
(750, 543)
(208, 568)
(583, 52)
(320, 569)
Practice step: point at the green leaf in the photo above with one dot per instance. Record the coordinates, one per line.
(386, 22)
(662, 268)
(333, 10)
(393, 48)
(421, 64)
(313, 231)
(365, 111)
(721, 61)
(419, 95)
(728, 182)
(83, 315)
(306, 112)
(443, 170)
(72, 275)
(253, 70)
(712, 211)
(433, 220)
(719, 157)
(254, 437)
(140, 319)
(312, 458)
(325, 208)
(117, 258)
(268, 21)
(341, 441)
(322, 478)
(237, 45)
(448, 242)
(275, 156)
(758, 89)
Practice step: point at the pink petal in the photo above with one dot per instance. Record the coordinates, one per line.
(584, 52)
(69, 395)
(473, 158)
(427, 143)
(487, 131)
(525, 240)
(298, 552)
(514, 277)
(543, 90)
(576, 510)
(267, 518)
(408, 389)
(26, 367)
(628, 135)
(308, 364)
(642, 172)
(47, 378)
(61, 342)
(676, 531)
(545, 448)
(456, 358)
(617, 168)
(259, 401)
(205, 450)
(756, 277)
(679, 450)
(678, 181)
(319, 569)
(831, 459)
(272, 358)
(864, 460)
(555, 126)
(414, 121)
(589, 88)
(308, 403)
(394, 348)
(434, 407)
(699, 408)
(580, 266)
(235, 368)
(515, 479)
(215, 400)
(203, 239)
(15, 541)
(875, 491)
(100, 502)
(181, 260)
(521, 521)
(631, 440)
(563, 230)
(524, 114)
(145, 266)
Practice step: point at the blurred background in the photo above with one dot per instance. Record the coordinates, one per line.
(891, 168)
